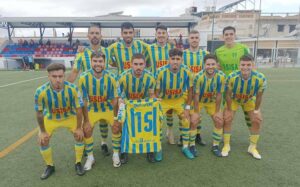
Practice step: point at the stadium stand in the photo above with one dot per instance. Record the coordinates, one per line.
(36, 50)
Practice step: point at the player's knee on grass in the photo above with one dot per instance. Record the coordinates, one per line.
(43, 141)
(195, 120)
(218, 123)
(185, 122)
(194, 123)
(228, 120)
(255, 125)
(116, 129)
(193, 126)
(87, 132)
(227, 125)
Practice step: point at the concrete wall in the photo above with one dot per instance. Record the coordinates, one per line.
(10, 64)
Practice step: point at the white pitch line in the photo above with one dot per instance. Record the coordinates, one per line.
(277, 80)
(19, 82)
(12, 73)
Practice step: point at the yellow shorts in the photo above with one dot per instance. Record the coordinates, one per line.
(107, 116)
(210, 108)
(173, 104)
(249, 106)
(69, 123)
(185, 95)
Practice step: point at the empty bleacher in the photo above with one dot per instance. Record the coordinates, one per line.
(37, 50)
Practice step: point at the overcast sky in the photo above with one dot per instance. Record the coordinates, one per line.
(20, 8)
(74, 8)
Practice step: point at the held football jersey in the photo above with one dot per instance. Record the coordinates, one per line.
(142, 126)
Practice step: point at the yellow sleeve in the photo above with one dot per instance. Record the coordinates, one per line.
(263, 84)
(82, 88)
(229, 85)
(78, 61)
(38, 100)
(106, 51)
(121, 87)
(115, 88)
(223, 82)
(191, 79)
(153, 84)
(158, 79)
(197, 85)
(147, 57)
(111, 52)
(78, 102)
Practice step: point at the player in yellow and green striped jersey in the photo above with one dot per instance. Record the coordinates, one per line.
(157, 56)
(58, 104)
(122, 51)
(82, 60)
(208, 89)
(141, 127)
(99, 89)
(137, 83)
(244, 88)
(82, 63)
(172, 81)
(193, 58)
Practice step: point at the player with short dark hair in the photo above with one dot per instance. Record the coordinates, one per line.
(58, 104)
(82, 64)
(208, 89)
(134, 84)
(172, 81)
(99, 89)
(122, 51)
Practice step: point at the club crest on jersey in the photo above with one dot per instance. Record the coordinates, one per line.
(127, 65)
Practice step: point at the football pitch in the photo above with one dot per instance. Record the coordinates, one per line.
(21, 163)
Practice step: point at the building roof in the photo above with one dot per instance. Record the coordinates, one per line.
(107, 21)
(267, 39)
